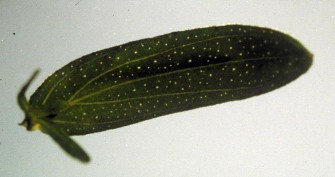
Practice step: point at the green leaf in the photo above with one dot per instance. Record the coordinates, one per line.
(22, 100)
(61, 137)
(166, 74)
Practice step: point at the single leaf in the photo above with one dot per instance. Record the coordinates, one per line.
(22, 100)
(175, 72)
(60, 137)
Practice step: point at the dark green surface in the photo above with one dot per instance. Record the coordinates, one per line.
(175, 72)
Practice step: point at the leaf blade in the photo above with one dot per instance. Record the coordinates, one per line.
(135, 69)
(64, 141)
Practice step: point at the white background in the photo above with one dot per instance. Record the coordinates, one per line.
(287, 132)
